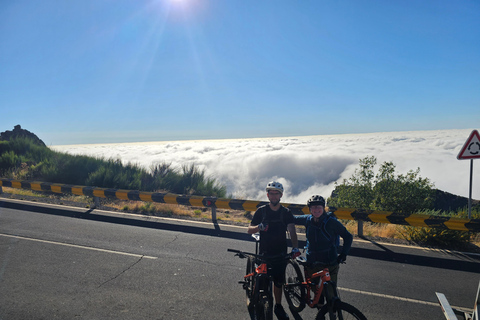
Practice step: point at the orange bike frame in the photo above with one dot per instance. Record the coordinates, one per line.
(261, 269)
(324, 277)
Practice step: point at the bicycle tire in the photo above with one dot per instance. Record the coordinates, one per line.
(343, 311)
(294, 290)
(264, 308)
(248, 285)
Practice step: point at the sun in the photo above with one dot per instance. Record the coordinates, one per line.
(179, 2)
(187, 9)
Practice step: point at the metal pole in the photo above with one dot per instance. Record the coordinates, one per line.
(476, 307)
(446, 308)
(470, 193)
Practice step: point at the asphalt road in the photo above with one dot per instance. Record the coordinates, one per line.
(69, 263)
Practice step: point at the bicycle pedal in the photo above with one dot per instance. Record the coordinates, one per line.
(242, 282)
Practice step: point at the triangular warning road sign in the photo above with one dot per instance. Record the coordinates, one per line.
(471, 148)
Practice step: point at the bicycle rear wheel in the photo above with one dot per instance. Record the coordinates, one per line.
(293, 288)
(342, 311)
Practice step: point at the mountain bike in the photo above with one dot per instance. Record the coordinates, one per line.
(257, 283)
(322, 295)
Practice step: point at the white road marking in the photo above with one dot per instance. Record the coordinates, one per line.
(78, 246)
(398, 298)
(388, 296)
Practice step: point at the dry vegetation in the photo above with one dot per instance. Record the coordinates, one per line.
(138, 207)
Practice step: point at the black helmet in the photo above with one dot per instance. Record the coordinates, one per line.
(316, 200)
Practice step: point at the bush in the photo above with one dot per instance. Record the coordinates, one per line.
(384, 191)
(405, 194)
(435, 236)
(8, 160)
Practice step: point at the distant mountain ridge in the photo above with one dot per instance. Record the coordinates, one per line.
(18, 132)
(449, 202)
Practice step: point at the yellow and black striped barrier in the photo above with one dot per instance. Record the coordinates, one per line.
(416, 220)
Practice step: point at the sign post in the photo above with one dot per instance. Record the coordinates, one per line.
(470, 150)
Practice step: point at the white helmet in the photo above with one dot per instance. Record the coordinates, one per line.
(273, 185)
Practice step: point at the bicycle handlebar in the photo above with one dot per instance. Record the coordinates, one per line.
(303, 261)
(262, 258)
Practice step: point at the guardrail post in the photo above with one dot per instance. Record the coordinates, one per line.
(360, 228)
(210, 202)
(96, 202)
(214, 214)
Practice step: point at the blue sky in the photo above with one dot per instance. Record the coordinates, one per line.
(98, 71)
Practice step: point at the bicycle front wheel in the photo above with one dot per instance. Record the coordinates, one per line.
(342, 311)
(293, 288)
(248, 284)
(264, 308)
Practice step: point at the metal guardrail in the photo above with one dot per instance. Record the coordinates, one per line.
(416, 220)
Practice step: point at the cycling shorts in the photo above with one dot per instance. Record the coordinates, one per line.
(277, 272)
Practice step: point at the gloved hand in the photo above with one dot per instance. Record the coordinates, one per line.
(263, 227)
(341, 258)
(295, 252)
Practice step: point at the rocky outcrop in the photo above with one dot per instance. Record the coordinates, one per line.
(18, 132)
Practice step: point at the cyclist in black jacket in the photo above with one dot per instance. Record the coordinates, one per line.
(323, 231)
(272, 221)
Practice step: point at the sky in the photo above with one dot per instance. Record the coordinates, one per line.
(305, 165)
(112, 71)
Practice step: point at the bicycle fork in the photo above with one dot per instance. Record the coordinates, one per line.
(262, 283)
(263, 299)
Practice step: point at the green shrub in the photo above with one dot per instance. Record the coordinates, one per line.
(24, 160)
(385, 190)
(401, 193)
(148, 207)
(436, 236)
(8, 161)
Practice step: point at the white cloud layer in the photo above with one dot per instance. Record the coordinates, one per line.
(304, 165)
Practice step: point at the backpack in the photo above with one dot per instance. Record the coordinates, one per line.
(334, 239)
(264, 214)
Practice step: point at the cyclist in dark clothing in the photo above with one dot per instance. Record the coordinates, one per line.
(272, 221)
(323, 231)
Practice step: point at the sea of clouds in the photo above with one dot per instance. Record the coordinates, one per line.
(304, 165)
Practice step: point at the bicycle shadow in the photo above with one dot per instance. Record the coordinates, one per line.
(449, 260)
(295, 314)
